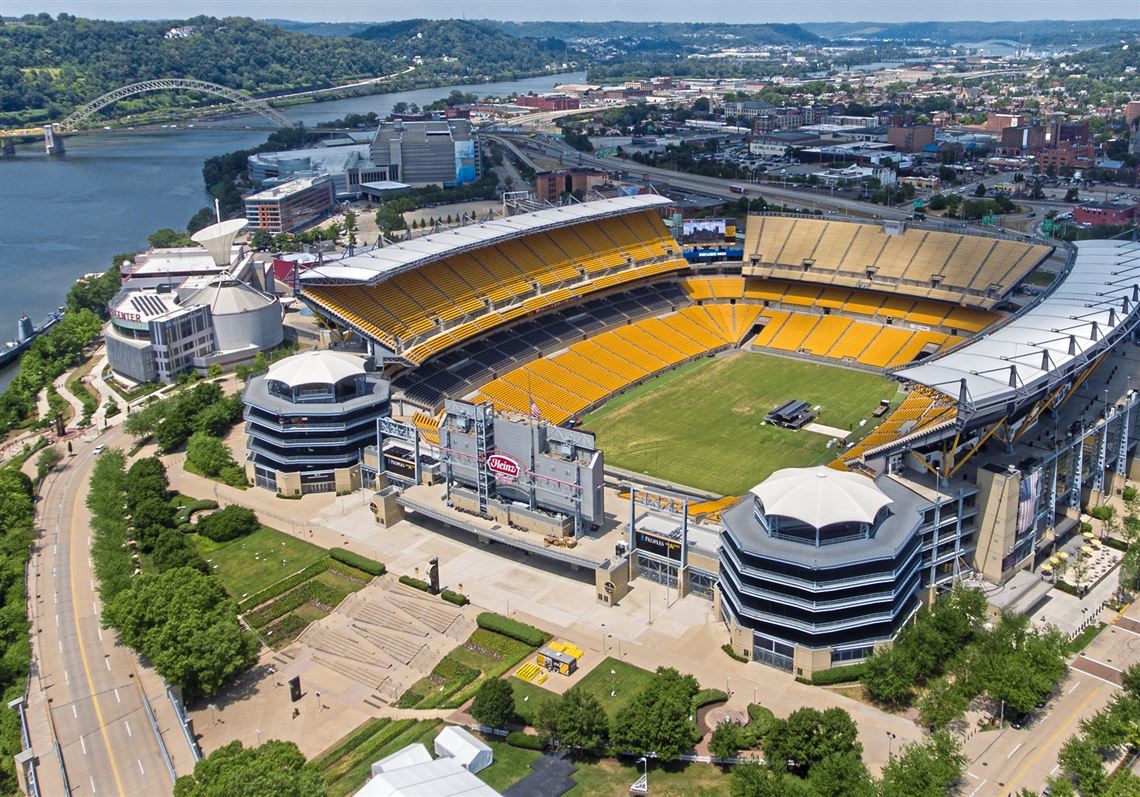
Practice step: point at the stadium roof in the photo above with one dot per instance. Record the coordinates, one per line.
(315, 368)
(1084, 314)
(821, 496)
(380, 264)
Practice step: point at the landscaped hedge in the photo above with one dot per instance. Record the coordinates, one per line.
(187, 511)
(423, 586)
(309, 591)
(512, 628)
(525, 741)
(284, 585)
(1112, 542)
(228, 524)
(839, 675)
(1065, 586)
(370, 566)
(727, 648)
(458, 598)
(706, 697)
(349, 743)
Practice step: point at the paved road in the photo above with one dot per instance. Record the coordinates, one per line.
(94, 695)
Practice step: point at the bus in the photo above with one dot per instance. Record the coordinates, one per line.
(738, 189)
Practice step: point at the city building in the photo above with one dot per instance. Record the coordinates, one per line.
(550, 186)
(1073, 156)
(910, 139)
(290, 205)
(549, 102)
(1022, 140)
(436, 151)
(777, 144)
(348, 166)
(1117, 213)
(818, 566)
(308, 418)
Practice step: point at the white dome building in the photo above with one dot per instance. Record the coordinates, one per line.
(245, 319)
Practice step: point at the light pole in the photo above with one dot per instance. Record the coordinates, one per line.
(645, 760)
(890, 744)
(258, 732)
(613, 682)
(603, 639)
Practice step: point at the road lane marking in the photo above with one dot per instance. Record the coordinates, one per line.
(94, 609)
(975, 791)
(92, 779)
(83, 652)
(139, 762)
(99, 629)
(1078, 683)
(60, 641)
(107, 661)
(1063, 728)
(66, 677)
(128, 724)
(1014, 750)
(117, 699)
(74, 713)
(83, 744)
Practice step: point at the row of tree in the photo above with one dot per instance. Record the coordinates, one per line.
(176, 613)
(16, 519)
(172, 420)
(948, 649)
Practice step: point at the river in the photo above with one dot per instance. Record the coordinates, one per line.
(67, 216)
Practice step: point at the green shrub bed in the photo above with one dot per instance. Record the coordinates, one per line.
(369, 566)
(839, 675)
(727, 648)
(706, 697)
(457, 598)
(423, 586)
(284, 585)
(309, 591)
(512, 628)
(286, 629)
(184, 513)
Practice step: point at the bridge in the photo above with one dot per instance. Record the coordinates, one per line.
(53, 133)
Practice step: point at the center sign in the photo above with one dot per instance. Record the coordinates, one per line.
(503, 465)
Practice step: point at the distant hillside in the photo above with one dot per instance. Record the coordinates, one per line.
(686, 37)
(49, 67)
(321, 28)
(467, 49)
(1043, 32)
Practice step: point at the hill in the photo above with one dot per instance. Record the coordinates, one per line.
(465, 50)
(623, 40)
(1037, 32)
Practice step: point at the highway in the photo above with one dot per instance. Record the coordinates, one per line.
(89, 678)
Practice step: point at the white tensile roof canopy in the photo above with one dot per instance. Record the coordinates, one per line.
(315, 368)
(820, 496)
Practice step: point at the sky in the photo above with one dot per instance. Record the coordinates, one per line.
(589, 10)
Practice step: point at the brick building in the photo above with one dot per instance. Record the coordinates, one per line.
(1117, 213)
(910, 139)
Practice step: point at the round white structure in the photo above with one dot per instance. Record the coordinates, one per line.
(244, 318)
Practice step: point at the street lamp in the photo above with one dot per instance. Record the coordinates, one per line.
(890, 744)
(645, 760)
(258, 732)
(613, 682)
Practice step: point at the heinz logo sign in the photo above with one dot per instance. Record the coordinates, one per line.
(504, 465)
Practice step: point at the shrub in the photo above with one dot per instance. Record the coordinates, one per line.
(457, 598)
(1085, 527)
(727, 648)
(838, 675)
(289, 497)
(228, 524)
(307, 592)
(409, 699)
(415, 582)
(525, 741)
(760, 720)
(512, 628)
(184, 513)
(1065, 586)
(1112, 542)
(370, 566)
(233, 475)
(1129, 494)
(1104, 512)
(706, 697)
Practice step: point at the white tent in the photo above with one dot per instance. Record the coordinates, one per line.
(411, 772)
(455, 742)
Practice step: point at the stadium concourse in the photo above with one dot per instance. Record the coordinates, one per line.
(543, 316)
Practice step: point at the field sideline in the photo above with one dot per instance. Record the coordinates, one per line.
(702, 424)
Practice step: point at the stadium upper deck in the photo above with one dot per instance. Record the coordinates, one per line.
(1089, 310)
(974, 270)
(416, 298)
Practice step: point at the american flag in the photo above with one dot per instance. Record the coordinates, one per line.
(534, 410)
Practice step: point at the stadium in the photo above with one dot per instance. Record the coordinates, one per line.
(909, 357)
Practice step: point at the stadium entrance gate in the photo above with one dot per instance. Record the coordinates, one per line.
(772, 652)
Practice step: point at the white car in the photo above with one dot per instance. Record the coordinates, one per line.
(98, 449)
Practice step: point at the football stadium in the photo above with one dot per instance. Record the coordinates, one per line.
(817, 436)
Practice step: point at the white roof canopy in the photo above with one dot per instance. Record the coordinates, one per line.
(315, 368)
(821, 496)
(380, 264)
(1083, 314)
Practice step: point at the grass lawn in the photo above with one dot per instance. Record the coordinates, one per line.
(512, 764)
(703, 424)
(456, 692)
(251, 563)
(608, 777)
(345, 771)
(627, 679)
(1085, 638)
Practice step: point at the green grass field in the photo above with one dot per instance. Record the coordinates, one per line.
(703, 424)
(626, 682)
(511, 765)
(251, 563)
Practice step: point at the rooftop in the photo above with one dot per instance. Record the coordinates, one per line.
(821, 496)
(315, 368)
(287, 189)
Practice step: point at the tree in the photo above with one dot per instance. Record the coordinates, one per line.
(841, 775)
(273, 769)
(546, 719)
(808, 736)
(187, 626)
(494, 704)
(47, 460)
(942, 704)
(924, 769)
(727, 739)
(889, 679)
(582, 723)
(1072, 195)
(980, 191)
(261, 240)
(171, 550)
(658, 719)
(166, 238)
(1081, 762)
(207, 454)
(750, 779)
